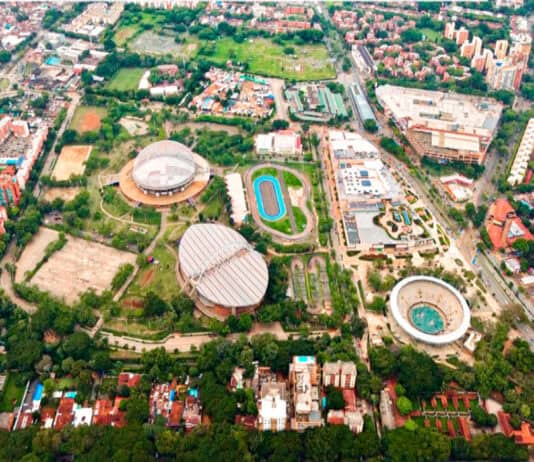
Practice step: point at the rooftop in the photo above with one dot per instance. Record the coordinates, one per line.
(225, 269)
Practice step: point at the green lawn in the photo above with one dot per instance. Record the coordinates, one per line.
(300, 219)
(431, 35)
(12, 393)
(126, 79)
(159, 278)
(310, 62)
(283, 225)
(265, 171)
(291, 180)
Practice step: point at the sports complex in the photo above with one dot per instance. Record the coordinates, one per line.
(164, 173)
(278, 197)
(430, 310)
(221, 270)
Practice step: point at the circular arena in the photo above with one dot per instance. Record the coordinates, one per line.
(221, 270)
(430, 310)
(164, 173)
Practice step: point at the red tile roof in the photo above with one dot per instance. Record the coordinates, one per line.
(175, 416)
(129, 379)
(64, 415)
(350, 399)
(501, 216)
(464, 428)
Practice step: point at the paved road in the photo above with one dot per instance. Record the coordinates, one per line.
(184, 342)
(75, 99)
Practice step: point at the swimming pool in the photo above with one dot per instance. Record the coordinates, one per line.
(271, 205)
(70, 394)
(427, 319)
(53, 61)
(38, 393)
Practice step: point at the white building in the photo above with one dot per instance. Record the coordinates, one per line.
(340, 374)
(272, 407)
(285, 143)
(236, 191)
(523, 155)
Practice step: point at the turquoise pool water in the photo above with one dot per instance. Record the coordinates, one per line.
(280, 206)
(53, 61)
(427, 319)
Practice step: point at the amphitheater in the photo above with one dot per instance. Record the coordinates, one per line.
(430, 310)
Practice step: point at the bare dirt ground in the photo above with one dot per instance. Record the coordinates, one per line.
(79, 266)
(67, 194)
(134, 126)
(71, 162)
(34, 252)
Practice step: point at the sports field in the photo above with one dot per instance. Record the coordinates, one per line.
(310, 62)
(126, 79)
(79, 266)
(152, 43)
(71, 161)
(87, 118)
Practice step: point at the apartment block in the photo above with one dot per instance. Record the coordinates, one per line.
(304, 381)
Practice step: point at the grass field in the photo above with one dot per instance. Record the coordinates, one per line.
(300, 219)
(4, 84)
(311, 62)
(283, 225)
(159, 278)
(431, 35)
(123, 34)
(152, 43)
(87, 118)
(12, 393)
(265, 171)
(126, 79)
(291, 180)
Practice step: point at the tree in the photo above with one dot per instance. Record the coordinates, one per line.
(370, 125)
(280, 124)
(482, 418)
(418, 374)
(78, 345)
(154, 305)
(137, 410)
(404, 405)
(334, 398)
(5, 56)
(421, 444)
(383, 362)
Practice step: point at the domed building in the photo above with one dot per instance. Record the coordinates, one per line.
(164, 167)
(164, 173)
(221, 270)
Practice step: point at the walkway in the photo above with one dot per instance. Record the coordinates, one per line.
(7, 284)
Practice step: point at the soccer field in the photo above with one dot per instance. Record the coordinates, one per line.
(126, 79)
(310, 62)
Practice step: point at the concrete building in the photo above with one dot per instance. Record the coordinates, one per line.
(503, 74)
(501, 47)
(444, 126)
(340, 374)
(9, 187)
(284, 143)
(523, 155)
(272, 407)
(236, 191)
(304, 382)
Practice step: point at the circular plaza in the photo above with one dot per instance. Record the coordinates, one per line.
(164, 173)
(430, 310)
